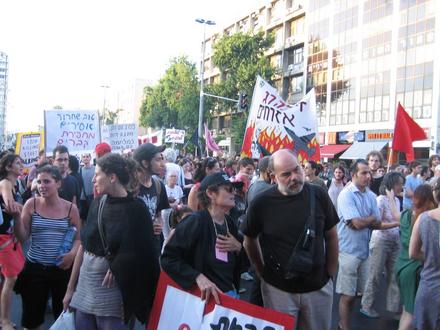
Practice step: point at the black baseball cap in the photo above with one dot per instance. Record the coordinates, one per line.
(218, 179)
(147, 151)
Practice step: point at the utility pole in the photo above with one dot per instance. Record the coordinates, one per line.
(202, 68)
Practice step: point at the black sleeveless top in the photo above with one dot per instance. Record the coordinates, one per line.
(7, 220)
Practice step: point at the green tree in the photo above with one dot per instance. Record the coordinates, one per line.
(174, 100)
(111, 117)
(240, 58)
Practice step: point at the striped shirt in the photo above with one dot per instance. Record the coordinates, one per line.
(47, 237)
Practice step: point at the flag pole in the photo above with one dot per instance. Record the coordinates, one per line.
(390, 157)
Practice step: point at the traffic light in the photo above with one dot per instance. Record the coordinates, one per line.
(243, 102)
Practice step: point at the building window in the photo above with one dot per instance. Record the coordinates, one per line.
(374, 9)
(296, 27)
(275, 61)
(295, 56)
(414, 89)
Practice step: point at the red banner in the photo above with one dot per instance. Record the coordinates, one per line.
(177, 309)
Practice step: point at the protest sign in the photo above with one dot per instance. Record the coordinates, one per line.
(175, 136)
(273, 124)
(77, 130)
(28, 147)
(175, 308)
(154, 138)
(120, 136)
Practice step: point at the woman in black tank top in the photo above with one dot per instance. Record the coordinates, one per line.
(11, 254)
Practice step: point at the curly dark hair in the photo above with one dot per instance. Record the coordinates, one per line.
(200, 172)
(389, 181)
(124, 168)
(6, 160)
(53, 171)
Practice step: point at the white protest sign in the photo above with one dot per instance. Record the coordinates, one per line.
(77, 130)
(120, 136)
(175, 308)
(180, 310)
(273, 124)
(227, 318)
(28, 147)
(175, 136)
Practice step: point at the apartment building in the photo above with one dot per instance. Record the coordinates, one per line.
(361, 56)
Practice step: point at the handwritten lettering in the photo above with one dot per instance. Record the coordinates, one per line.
(225, 324)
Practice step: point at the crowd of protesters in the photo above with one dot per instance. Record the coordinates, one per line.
(92, 235)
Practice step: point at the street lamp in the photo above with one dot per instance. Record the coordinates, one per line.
(105, 87)
(202, 67)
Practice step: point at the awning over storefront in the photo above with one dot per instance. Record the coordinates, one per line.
(361, 149)
(330, 150)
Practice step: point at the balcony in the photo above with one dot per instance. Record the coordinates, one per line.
(294, 69)
(294, 41)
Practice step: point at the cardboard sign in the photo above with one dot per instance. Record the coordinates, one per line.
(77, 130)
(120, 136)
(28, 147)
(273, 124)
(175, 308)
(174, 136)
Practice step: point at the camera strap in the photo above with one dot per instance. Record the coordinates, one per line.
(309, 226)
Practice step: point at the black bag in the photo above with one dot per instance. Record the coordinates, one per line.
(301, 261)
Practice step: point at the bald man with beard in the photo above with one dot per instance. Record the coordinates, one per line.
(280, 222)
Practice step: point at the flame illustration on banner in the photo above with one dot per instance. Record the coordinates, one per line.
(273, 124)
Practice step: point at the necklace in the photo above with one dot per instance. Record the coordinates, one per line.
(215, 227)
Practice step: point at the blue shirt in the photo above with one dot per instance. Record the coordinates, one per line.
(411, 182)
(352, 203)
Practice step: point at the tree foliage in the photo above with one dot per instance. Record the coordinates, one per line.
(240, 58)
(174, 100)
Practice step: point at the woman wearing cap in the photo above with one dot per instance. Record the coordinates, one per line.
(208, 166)
(204, 248)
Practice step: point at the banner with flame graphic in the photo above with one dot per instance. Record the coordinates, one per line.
(273, 124)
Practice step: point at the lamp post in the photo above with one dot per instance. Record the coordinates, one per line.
(105, 87)
(202, 67)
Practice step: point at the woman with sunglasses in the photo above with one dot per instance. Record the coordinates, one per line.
(205, 247)
(206, 167)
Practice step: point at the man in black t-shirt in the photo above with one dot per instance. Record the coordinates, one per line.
(70, 189)
(375, 161)
(275, 222)
(152, 190)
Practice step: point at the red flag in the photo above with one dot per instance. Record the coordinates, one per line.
(406, 130)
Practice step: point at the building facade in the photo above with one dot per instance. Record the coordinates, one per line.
(361, 56)
(3, 94)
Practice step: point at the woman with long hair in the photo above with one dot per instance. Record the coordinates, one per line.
(116, 269)
(425, 246)
(11, 254)
(47, 221)
(208, 166)
(204, 249)
(407, 269)
(187, 167)
(384, 247)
